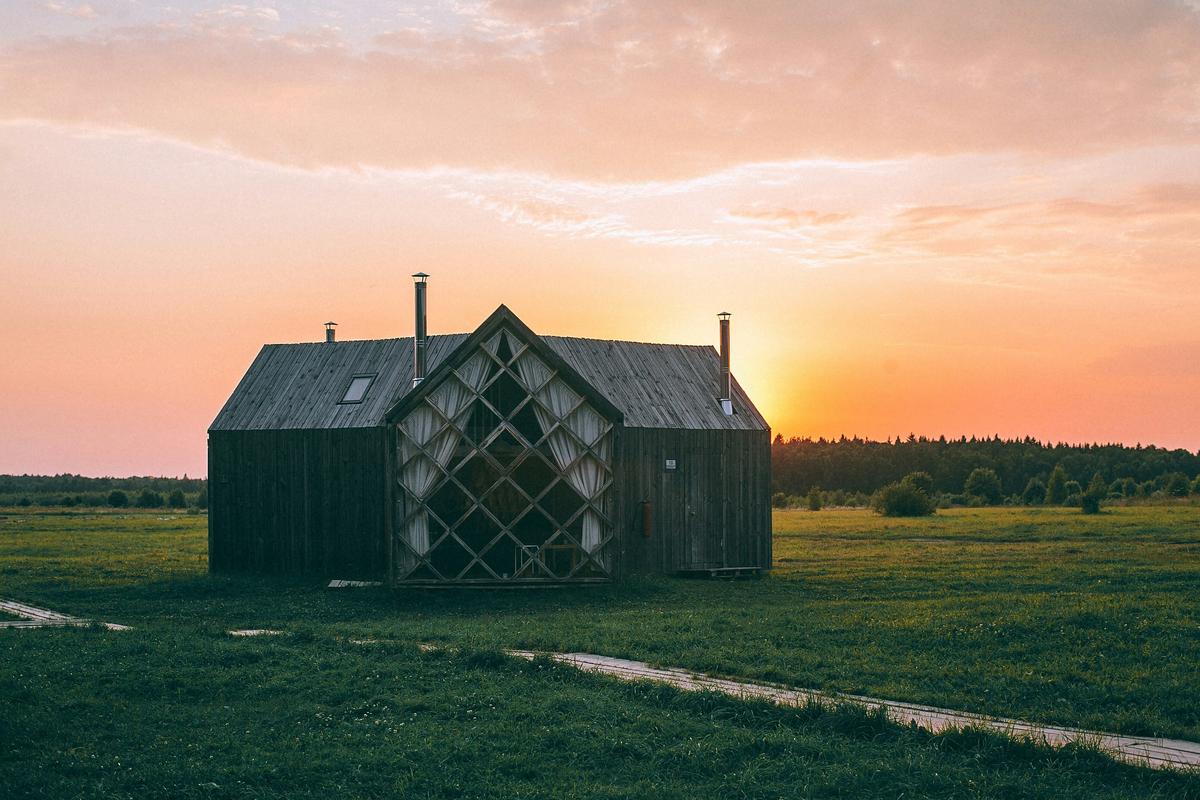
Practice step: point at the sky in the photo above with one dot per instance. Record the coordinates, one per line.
(934, 217)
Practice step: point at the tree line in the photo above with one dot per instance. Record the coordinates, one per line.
(66, 482)
(864, 466)
(78, 490)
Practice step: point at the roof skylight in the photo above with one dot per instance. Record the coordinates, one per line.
(357, 390)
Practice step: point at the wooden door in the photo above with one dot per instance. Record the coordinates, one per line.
(703, 534)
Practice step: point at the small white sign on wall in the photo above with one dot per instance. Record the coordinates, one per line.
(669, 464)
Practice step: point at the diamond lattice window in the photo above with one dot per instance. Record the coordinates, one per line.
(504, 475)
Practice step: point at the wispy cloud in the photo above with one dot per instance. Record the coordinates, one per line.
(558, 219)
(1146, 239)
(239, 11)
(81, 11)
(788, 217)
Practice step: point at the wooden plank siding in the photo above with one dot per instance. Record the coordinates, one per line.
(712, 510)
(298, 502)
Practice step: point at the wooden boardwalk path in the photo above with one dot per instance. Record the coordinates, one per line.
(1143, 751)
(33, 617)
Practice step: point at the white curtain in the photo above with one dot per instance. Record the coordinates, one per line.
(472, 373)
(583, 473)
(418, 473)
(492, 345)
(590, 427)
(532, 371)
(423, 428)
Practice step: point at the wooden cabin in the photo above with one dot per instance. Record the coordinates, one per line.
(499, 456)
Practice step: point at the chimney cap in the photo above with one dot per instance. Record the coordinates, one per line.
(420, 277)
(723, 315)
(330, 325)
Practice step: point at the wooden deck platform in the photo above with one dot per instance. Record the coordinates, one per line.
(722, 573)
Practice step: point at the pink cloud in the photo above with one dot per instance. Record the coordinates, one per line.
(638, 91)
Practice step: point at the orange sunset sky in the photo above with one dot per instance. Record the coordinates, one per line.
(931, 217)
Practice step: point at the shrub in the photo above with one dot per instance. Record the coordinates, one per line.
(920, 480)
(1124, 487)
(1056, 487)
(177, 500)
(1196, 485)
(1177, 485)
(24, 502)
(902, 500)
(1145, 489)
(118, 499)
(68, 501)
(149, 499)
(1096, 492)
(778, 500)
(1035, 493)
(202, 498)
(813, 500)
(984, 484)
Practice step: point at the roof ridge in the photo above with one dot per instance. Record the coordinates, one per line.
(359, 341)
(542, 335)
(621, 341)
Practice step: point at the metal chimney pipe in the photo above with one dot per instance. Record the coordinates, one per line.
(726, 375)
(420, 339)
(329, 332)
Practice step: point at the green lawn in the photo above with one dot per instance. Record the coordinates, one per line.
(1040, 614)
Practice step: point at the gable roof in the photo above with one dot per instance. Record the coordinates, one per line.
(298, 386)
(503, 317)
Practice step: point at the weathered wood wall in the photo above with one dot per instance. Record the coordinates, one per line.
(317, 502)
(712, 510)
(301, 502)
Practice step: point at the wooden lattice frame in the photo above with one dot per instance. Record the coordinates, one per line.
(597, 561)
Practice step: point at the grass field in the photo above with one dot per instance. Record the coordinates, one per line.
(1043, 614)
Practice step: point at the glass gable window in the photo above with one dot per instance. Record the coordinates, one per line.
(504, 475)
(357, 389)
